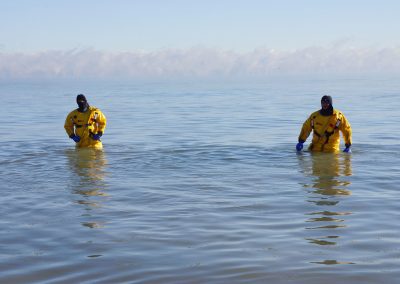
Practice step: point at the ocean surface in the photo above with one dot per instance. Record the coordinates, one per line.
(199, 183)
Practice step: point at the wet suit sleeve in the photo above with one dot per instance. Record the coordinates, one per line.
(69, 125)
(345, 128)
(101, 122)
(305, 130)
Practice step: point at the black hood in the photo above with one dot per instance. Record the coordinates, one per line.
(82, 103)
(328, 111)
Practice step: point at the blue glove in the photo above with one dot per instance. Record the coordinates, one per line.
(347, 150)
(299, 146)
(76, 138)
(97, 136)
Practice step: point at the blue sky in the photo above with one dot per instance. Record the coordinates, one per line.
(289, 27)
(242, 25)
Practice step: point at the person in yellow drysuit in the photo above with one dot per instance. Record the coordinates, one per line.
(86, 124)
(325, 125)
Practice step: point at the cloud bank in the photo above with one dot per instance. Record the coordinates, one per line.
(197, 63)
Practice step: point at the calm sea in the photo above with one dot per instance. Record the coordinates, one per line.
(199, 183)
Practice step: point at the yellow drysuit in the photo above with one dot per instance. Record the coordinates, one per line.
(85, 125)
(326, 137)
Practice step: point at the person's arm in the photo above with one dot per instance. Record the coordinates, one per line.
(101, 122)
(304, 133)
(69, 125)
(305, 130)
(345, 128)
(69, 128)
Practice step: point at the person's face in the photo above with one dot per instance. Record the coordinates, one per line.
(82, 104)
(325, 104)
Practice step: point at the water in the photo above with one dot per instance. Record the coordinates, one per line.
(199, 183)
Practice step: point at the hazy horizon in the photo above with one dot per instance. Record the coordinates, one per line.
(198, 63)
(189, 40)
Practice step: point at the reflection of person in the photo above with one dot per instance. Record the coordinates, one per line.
(328, 181)
(86, 124)
(87, 180)
(88, 165)
(328, 170)
(325, 125)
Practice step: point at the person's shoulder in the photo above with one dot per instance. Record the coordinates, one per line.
(337, 112)
(93, 108)
(73, 112)
(96, 111)
(315, 113)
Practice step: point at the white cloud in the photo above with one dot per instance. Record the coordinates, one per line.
(198, 63)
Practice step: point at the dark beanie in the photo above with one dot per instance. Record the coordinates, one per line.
(81, 97)
(327, 99)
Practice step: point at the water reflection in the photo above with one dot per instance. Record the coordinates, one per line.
(88, 168)
(332, 262)
(328, 186)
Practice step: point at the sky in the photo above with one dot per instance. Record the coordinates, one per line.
(172, 38)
